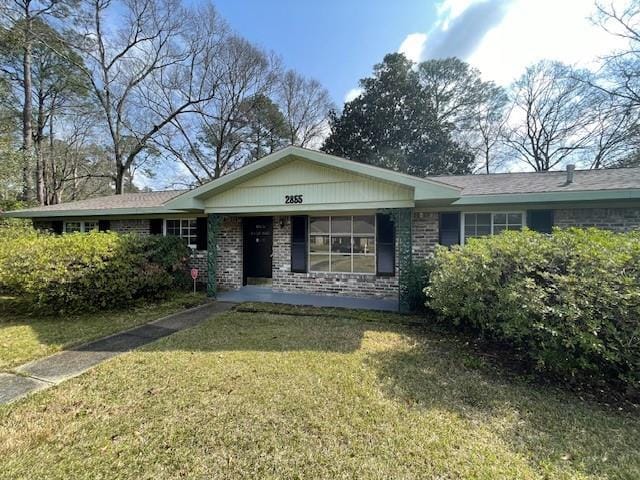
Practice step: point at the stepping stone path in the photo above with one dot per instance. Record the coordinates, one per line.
(46, 372)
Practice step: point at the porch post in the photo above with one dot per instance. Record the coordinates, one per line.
(403, 220)
(213, 228)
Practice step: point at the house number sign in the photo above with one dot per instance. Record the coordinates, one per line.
(293, 199)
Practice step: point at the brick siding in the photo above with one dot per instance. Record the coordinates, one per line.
(230, 253)
(140, 226)
(425, 234)
(616, 219)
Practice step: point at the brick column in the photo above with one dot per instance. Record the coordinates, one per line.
(402, 218)
(213, 228)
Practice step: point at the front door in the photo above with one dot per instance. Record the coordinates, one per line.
(258, 249)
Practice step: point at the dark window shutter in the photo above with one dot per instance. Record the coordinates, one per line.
(104, 225)
(201, 233)
(155, 226)
(299, 244)
(540, 220)
(449, 228)
(56, 226)
(385, 245)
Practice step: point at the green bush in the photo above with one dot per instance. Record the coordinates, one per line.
(85, 272)
(417, 277)
(570, 301)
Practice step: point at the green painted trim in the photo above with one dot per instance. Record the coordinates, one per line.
(193, 198)
(311, 207)
(634, 203)
(548, 197)
(94, 212)
(214, 223)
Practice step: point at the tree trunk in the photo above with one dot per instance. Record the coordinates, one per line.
(27, 129)
(39, 137)
(120, 177)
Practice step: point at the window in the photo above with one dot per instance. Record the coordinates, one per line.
(480, 224)
(186, 228)
(80, 226)
(344, 244)
(72, 227)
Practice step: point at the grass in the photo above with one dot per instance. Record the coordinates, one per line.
(259, 394)
(25, 336)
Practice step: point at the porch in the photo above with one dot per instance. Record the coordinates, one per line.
(255, 293)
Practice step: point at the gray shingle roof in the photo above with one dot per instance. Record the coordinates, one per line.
(535, 182)
(127, 200)
(493, 184)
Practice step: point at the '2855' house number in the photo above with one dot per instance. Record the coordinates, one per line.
(293, 199)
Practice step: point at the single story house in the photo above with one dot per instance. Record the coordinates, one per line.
(303, 221)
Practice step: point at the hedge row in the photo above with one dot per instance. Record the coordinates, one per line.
(570, 301)
(92, 271)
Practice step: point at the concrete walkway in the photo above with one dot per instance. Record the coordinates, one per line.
(253, 293)
(49, 371)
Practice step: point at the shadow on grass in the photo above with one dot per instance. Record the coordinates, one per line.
(547, 425)
(26, 333)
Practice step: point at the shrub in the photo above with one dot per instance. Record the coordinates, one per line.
(84, 272)
(416, 279)
(569, 301)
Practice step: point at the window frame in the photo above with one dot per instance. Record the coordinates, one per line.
(82, 224)
(351, 254)
(492, 213)
(194, 237)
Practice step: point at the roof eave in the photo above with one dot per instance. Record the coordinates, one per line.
(102, 212)
(548, 197)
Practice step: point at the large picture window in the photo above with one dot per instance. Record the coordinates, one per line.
(185, 228)
(480, 224)
(344, 244)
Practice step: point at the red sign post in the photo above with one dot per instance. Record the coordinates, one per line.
(194, 277)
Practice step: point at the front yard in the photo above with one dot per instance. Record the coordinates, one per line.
(25, 336)
(255, 394)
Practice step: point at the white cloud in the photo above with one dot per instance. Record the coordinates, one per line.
(544, 29)
(503, 37)
(352, 94)
(413, 46)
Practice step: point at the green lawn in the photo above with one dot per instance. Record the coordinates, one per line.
(25, 336)
(309, 395)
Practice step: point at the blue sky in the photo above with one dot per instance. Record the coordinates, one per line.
(334, 41)
(338, 41)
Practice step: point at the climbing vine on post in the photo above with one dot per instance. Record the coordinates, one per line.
(402, 219)
(213, 228)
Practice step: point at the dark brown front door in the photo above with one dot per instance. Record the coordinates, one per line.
(258, 247)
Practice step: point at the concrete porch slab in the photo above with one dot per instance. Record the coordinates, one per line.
(252, 293)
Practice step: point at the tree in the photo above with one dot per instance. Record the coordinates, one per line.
(305, 104)
(158, 65)
(265, 127)
(490, 122)
(23, 14)
(55, 80)
(393, 124)
(551, 116)
(473, 109)
(212, 140)
(621, 75)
